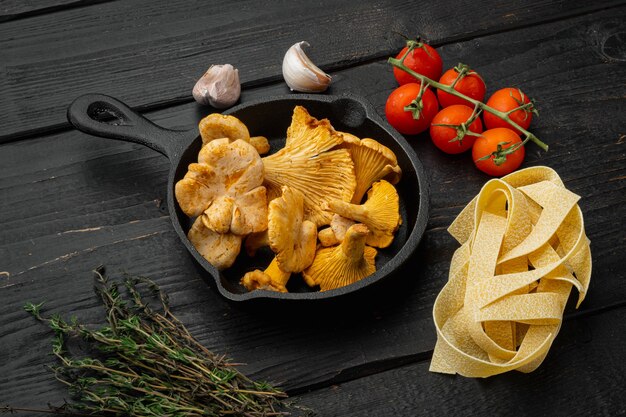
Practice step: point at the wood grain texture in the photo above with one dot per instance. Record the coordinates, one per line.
(584, 374)
(71, 202)
(149, 52)
(20, 9)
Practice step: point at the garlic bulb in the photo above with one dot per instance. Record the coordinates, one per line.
(300, 73)
(218, 87)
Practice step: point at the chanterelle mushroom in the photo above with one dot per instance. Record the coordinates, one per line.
(260, 143)
(217, 126)
(272, 279)
(220, 249)
(224, 188)
(291, 238)
(307, 164)
(334, 234)
(344, 264)
(380, 213)
(372, 162)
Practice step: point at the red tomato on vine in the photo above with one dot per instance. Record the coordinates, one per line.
(407, 115)
(450, 132)
(424, 60)
(498, 152)
(508, 99)
(469, 83)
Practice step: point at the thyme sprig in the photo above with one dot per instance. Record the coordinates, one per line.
(145, 362)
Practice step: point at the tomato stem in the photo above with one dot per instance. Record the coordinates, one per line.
(414, 44)
(417, 105)
(462, 70)
(526, 107)
(399, 63)
(463, 129)
(499, 155)
(474, 115)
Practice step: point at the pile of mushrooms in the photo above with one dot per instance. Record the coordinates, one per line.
(316, 181)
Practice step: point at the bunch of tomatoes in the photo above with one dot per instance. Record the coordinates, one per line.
(411, 108)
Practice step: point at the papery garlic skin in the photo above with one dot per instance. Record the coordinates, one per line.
(301, 74)
(218, 87)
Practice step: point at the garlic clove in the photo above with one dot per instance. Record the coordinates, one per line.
(301, 74)
(218, 87)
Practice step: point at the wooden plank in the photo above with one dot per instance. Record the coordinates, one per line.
(583, 374)
(19, 9)
(151, 52)
(71, 202)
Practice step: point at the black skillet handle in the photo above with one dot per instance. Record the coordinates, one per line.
(125, 124)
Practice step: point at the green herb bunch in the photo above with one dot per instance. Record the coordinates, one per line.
(144, 362)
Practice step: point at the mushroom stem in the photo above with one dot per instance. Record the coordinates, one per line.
(272, 279)
(353, 245)
(356, 212)
(380, 213)
(344, 264)
(279, 277)
(327, 237)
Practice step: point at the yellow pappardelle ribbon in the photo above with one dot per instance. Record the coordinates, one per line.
(523, 247)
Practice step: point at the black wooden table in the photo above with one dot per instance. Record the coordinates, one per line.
(70, 201)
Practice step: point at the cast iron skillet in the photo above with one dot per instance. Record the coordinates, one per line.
(269, 117)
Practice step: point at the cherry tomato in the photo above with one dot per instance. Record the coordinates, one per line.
(497, 141)
(470, 84)
(403, 120)
(423, 59)
(445, 137)
(505, 100)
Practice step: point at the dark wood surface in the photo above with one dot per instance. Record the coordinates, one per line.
(71, 201)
